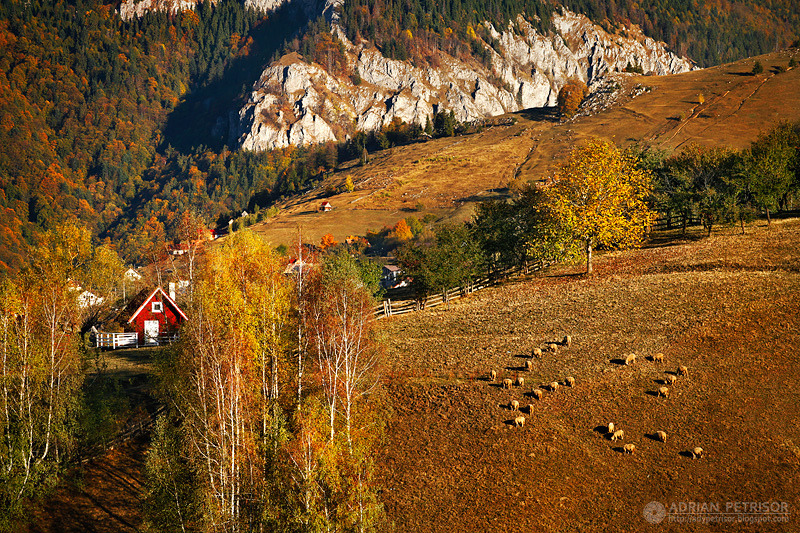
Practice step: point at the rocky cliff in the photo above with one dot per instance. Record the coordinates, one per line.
(295, 102)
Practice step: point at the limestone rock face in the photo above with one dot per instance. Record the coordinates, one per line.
(137, 8)
(294, 102)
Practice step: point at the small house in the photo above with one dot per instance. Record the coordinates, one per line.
(390, 275)
(132, 275)
(326, 206)
(153, 315)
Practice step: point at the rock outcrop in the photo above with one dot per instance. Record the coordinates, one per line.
(298, 103)
(137, 8)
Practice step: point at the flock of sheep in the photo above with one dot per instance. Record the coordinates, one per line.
(613, 433)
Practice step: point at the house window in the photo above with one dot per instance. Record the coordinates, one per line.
(158, 307)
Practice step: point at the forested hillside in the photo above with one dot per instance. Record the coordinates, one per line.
(117, 125)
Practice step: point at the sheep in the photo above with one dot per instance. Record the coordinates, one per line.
(519, 421)
(611, 427)
(682, 370)
(618, 435)
(567, 341)
(697, 452)
(520, 381)
(629, 448)
(507, 383)
(554, 386)
(671, 379)
(663, 391)
(513, 405)
(493, 375)
(553, 347)
(528, 365)
(569, 381)
(661, 435)
(630, 359)
(658, 358)
(536, 352)
(530, 409)
(538, 393)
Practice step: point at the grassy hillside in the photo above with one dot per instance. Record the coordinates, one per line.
(725, 307)
(447, 176)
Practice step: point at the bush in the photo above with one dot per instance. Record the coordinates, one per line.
(758, 68)
(570, 97)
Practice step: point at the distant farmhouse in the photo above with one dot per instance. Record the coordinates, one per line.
(151, 318)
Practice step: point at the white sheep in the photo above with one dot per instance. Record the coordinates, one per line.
(629, 448)
(519, 421)
(538, 393)
(618, 435)
(682, 370)
(520, 381)
(658, 358)
(567, 341)
(528, 365)
(514, 405)
(536, 352)
(569, 381)
(493, 375)
(530, 409)
(611, 427)
(697, 452)
(554, 386)
(663, 391)
(507, 383)
(671, 379)
(630, 359)
(553, 347)
(661, 435)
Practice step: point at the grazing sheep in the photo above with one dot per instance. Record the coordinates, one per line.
(538, 393)
(507, 383)
(520, 381)
(661, 435)
(519, 421)
(567, 341)
(528, 365)
(553, 347)
(493, 375)
(530, 409)
(629, 448)
(658, 358)
(697, 453)
(554, 386)
(671, 379)
(630, 359)
(611, 427)
(569, 381)
(536, 352)
(663, 391)
(514, 405)
(682, 370)
(618, 435)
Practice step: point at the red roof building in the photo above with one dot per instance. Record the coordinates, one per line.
(153, 315)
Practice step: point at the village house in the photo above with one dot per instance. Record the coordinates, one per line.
(150, 318)
(325, 206)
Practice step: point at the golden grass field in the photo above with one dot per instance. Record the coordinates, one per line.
(725, 307)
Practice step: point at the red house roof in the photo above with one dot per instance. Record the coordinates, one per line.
(150, 297)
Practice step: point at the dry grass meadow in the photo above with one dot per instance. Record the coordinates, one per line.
(725, 307)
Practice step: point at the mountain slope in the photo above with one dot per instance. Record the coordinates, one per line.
(446, 176)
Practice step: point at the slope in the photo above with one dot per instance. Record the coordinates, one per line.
(447, 176)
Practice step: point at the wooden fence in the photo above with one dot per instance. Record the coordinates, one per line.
(131, 340)
(391, 307)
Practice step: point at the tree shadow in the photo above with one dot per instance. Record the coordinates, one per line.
(540, 114)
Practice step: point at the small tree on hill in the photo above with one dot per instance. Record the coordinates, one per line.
(758, 68)
(570, 97)
(599, 197)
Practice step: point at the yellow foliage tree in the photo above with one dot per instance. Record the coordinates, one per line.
(599, 197)
(402, 231)
(570, 97)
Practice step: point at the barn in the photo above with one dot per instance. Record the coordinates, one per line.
(154, 316)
